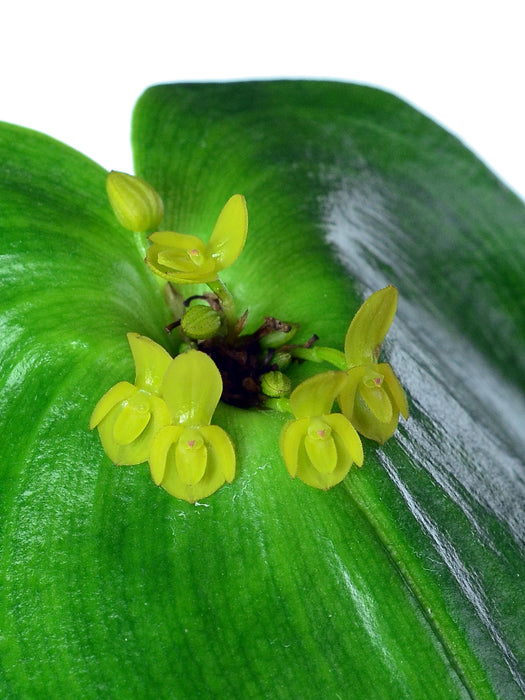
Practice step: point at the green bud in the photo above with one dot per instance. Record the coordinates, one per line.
(282, 334)
(136, 204)
(275, 384)
(282, 359)
(200, 322)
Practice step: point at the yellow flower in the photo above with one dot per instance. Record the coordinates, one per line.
(372, 398)
(319, 447)
(129, 415)
(191, 459)
(185, 259)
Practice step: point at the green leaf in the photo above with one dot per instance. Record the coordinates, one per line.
(405, 580)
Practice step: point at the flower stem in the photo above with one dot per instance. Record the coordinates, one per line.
(227, 302)
(282, 405)
(321, 354)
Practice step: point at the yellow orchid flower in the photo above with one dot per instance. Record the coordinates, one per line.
(319, 447)
(129, 415)
(185, 259)
(191, 459)
(372, 398)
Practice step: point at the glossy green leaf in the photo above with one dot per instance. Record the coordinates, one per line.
(403, 581)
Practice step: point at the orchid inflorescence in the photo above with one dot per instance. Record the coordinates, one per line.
(165, 417)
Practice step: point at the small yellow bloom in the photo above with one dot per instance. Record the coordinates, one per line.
(319, 447)
(129, 415)
(137, 206)
(185, 259)
(191, 459)
(372, 398)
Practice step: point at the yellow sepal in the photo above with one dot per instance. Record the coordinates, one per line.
(118, 393)
(229, 233)
(290, 441)
(151, 362)
(315, 396)
(370, 326)
(395, 389)
(221, 453)
(192, 388)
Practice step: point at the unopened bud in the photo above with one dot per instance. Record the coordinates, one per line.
(137, 206)
(200, 322)
(282, 334)
(275, 384)
(282, 359)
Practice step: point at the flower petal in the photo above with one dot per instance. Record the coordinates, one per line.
(185, 257)
(229, 233)
(290, 440)
(393, 386)
(177, 241)
(133, 418)
(161, 445)
(347, 396)
(346, 438)
(151, 362)
(114, 396)
(192, 387)
(221, 452)
(315, 396)
(370, 326)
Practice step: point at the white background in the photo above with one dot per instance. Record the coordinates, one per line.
(75, 70)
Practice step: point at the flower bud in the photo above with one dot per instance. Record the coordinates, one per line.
(200, 322)
(275, 384)
(282, 359)
(137, 206)
(282, 334)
